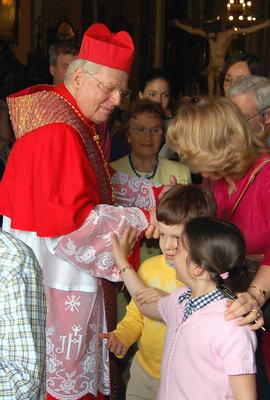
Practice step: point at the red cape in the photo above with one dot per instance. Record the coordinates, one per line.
(49, 185)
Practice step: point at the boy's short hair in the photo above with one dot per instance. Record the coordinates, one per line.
(184, 202)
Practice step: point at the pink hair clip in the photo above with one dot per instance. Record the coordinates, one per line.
(225, 275)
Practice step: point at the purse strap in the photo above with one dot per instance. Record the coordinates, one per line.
(249, 182)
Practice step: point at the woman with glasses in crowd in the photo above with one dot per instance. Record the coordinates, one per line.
(143, 126)
(154, 86)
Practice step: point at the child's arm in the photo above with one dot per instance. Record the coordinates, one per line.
(114, 344)
(127, 332)
(243, 386)
(121, 249)
(149, 295)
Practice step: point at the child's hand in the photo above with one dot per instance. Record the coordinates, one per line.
(149, 295)
(114, 344)
(123, 246)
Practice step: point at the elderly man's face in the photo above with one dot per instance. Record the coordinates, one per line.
(248, 106)
(96, 102)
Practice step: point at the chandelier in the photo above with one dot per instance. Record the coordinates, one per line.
(240, 10)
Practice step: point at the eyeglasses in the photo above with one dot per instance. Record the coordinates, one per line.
(124, 93)
(260, 112)
(228, 81)
(142, 130)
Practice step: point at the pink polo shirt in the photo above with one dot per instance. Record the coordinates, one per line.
(201, 352)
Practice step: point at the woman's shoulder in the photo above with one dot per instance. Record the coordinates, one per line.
(172, 163)
(262, 164)
(180, 171)
(119, 163)
(260, 171)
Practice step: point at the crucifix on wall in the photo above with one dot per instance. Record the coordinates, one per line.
(219, 42)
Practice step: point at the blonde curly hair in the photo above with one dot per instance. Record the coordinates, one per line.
(212, 135)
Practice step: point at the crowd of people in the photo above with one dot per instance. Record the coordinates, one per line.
(85, 193)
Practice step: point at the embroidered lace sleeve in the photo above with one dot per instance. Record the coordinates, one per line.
(131, 191)
(90, 248)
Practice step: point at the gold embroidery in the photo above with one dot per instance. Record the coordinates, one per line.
(42, 108)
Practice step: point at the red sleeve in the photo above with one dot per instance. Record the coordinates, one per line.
(49, 186)
(157, 190)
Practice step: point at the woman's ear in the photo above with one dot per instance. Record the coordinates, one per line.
(140, 95)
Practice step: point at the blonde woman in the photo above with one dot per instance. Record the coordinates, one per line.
(212, 137)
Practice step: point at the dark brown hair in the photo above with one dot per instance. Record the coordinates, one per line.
(141, 106)
(184, 202)
(138, 107)
(151, 76)
(255, 66)
(217, 246)
(63, 47)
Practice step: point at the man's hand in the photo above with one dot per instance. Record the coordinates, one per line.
(114, 344)
(172, 182)
(152, 231)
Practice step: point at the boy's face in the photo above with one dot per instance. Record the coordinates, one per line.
(169, 240)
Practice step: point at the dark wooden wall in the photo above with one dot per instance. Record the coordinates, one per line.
(183, 55)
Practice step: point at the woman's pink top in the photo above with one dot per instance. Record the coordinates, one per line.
(252, 215)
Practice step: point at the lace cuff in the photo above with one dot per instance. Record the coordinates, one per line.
(90, 247)
(131, 191)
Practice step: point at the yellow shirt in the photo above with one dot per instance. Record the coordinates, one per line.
(149, 333)
(164, 170)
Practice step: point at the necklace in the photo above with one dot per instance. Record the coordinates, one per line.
(146, 176)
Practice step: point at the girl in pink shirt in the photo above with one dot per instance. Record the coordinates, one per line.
(205, 356)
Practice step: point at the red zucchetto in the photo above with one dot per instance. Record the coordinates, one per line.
(115, 50)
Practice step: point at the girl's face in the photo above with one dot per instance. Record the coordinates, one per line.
(169, 238)
(236, 71)
(157, 90)
(145, 135)
(183, 265)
